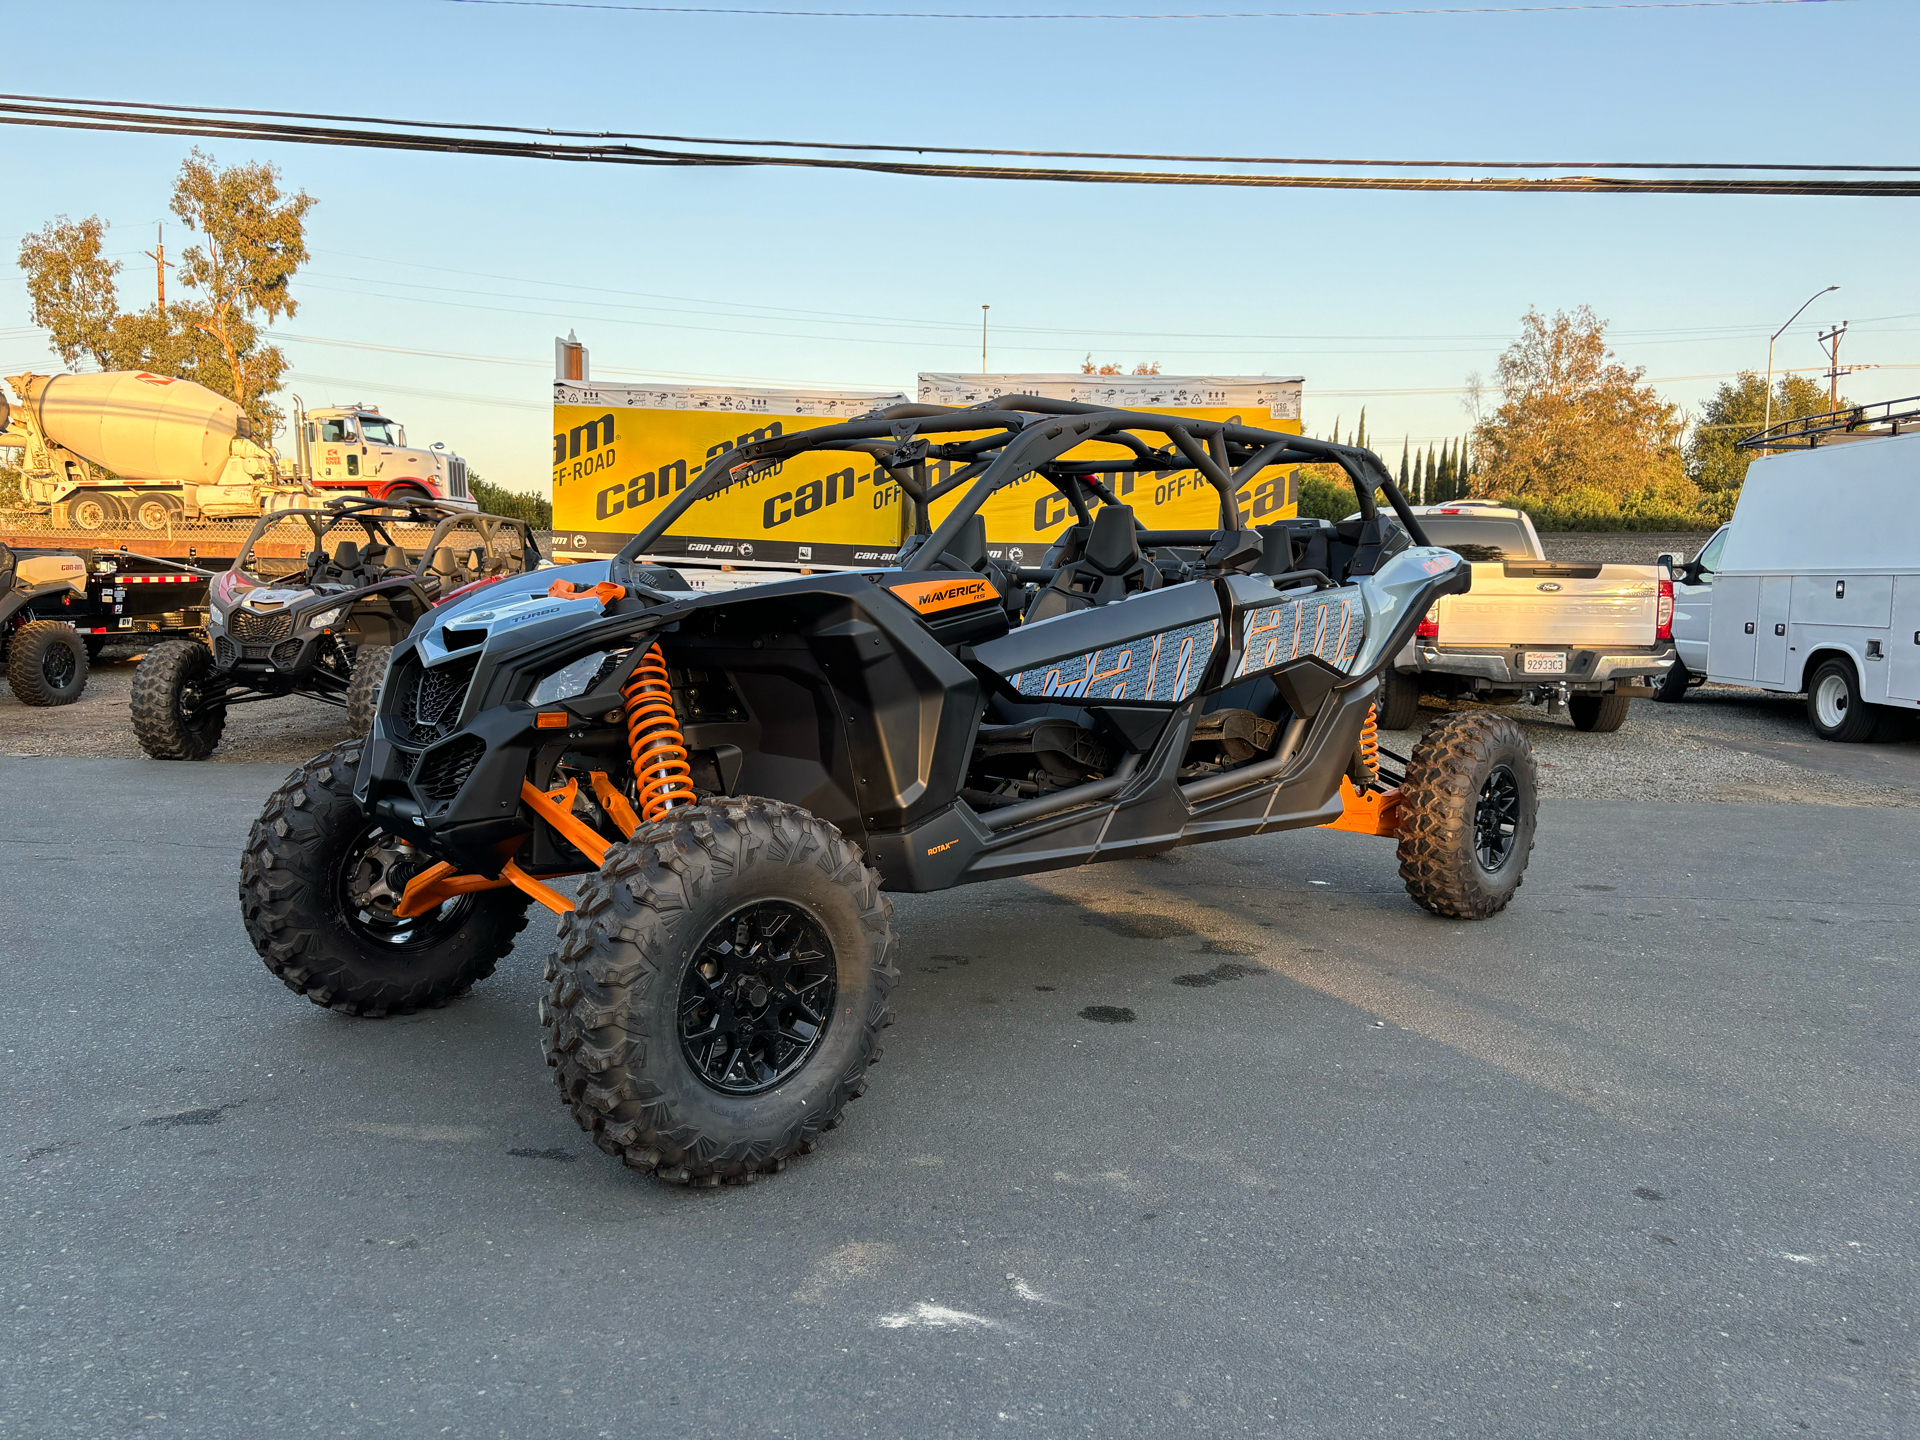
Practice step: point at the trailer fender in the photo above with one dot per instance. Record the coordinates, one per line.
(12, 605)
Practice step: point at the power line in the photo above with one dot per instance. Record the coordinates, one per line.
(155, 122)
(1131, 15)
(199, 110)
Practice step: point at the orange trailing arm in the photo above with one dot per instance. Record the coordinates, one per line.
(1371, 813)
(557, 809)
(438, 884)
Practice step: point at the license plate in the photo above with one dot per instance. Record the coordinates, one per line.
(1544, 662)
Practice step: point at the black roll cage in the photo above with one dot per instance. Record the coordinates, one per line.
(1029, 435)
(374, 516)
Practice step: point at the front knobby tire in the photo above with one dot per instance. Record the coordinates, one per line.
(1467, 815)
(679, 992)
(179, 704)
(318, 884)
(363, 686)
(47, 663)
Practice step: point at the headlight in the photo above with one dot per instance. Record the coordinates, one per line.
(325, 618)
(570, 680)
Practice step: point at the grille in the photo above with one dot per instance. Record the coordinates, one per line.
(445, 771)
(247, 625)
(286, 655)
(457, 477)
(425, 703)
(223, 651)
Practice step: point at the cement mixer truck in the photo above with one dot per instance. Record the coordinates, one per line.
(127, 449)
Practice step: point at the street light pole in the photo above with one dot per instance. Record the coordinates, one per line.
(1767, 410)
(983, 340)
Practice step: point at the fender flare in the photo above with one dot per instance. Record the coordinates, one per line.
(12, 605)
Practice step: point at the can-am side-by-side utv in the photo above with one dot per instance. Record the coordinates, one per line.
(741, 775)
(323, 626)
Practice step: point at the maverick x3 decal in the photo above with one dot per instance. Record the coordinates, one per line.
(1328, 625)
(1166, 666)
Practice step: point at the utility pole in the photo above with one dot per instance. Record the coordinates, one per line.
(983, 340)
(1830, 340)
(158, 255)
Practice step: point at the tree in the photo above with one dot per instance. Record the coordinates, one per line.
(1088, 367)
(1736, 410)
(253, 243)
(71, 288)
(1401, 479)
(74, 297)
(1573, 419)
(255, 239)
(536, 510)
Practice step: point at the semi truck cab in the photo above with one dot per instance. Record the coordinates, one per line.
(356, 448)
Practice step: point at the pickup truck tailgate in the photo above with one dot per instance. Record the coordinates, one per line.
(1552, 604)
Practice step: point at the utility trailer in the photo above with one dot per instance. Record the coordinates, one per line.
(60, 607)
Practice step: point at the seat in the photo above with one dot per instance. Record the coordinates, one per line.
(1110, 567)
(393, 561)
(446, 569)
(1302, 544)
(346, 565)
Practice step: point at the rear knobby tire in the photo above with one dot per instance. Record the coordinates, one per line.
(363, 686)
(1469, 769)
(307, 856)
(612, 1014)
(1400, 703)
(1598, 713)
(47, 663)
(178, 709)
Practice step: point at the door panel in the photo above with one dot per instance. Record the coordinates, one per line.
(1771, 629)
(1904, 641)
(1154, 647)
(1731, 630)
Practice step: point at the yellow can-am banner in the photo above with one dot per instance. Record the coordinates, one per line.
(622, 452)
(1025, 518)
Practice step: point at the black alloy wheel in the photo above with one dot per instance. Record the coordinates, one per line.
(1497, 818)
(757, 997)
(58, 667)
(370, 879)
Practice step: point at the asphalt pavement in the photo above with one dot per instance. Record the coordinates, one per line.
(1233, 1141)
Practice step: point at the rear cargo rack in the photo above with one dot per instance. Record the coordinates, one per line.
(1856, 422)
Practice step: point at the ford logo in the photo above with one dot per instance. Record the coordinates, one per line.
(1550, 585)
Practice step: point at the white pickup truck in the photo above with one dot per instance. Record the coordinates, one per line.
(1588, 637)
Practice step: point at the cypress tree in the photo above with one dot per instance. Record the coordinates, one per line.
(1431, 487)
(1402, 479)
(1465, 472)
(1360, 435)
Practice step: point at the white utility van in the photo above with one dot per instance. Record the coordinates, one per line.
(1815, 586)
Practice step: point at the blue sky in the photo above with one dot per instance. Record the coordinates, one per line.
(798, 277)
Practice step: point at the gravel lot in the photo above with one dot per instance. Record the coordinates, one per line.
(1721, 744)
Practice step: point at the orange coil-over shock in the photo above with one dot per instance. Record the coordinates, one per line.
(662, 778)
(1371, 744)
